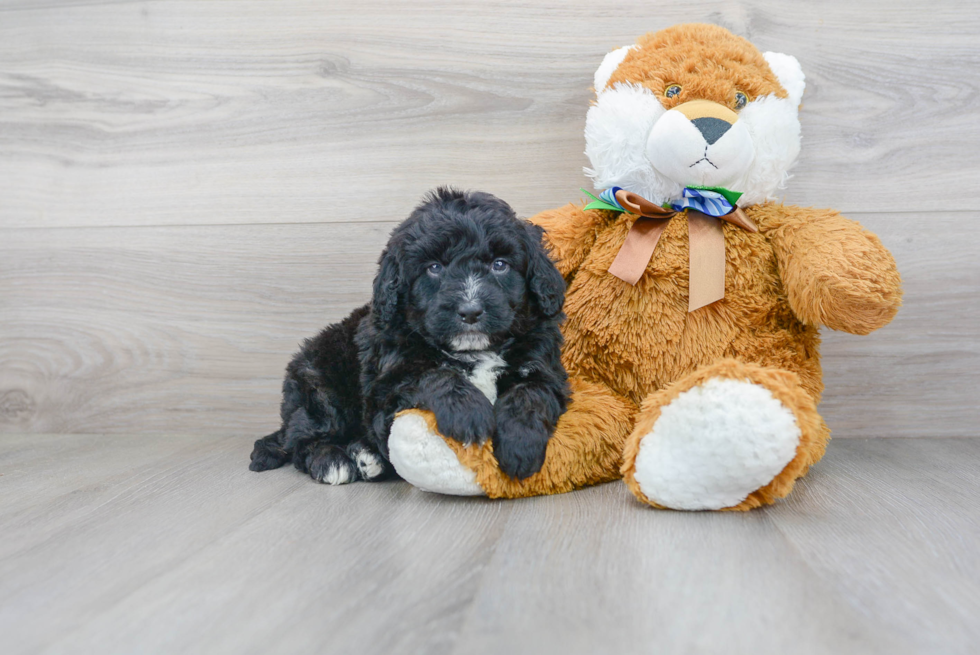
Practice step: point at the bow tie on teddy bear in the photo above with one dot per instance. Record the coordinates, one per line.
(706, 208)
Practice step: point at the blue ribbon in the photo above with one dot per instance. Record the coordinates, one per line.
(711, 203)
(609, 195)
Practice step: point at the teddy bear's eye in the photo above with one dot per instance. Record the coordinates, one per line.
(672, 90)
(740, 100)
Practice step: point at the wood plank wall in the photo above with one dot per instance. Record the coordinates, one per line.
(188, 189)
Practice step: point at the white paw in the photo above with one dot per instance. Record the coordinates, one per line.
(337, 475)
(715, 444)
(423, 459)
(368, 464)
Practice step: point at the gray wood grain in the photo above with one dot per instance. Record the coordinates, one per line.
(188, 551)
(249, 128)
(594, 572)
(188, 328)
(166, 327)
(175, 541)
(67, 468)
(918, 376)
(149, 113)
(891, 524)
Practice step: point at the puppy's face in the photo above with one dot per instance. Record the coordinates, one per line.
(469, 283)
(470, 274)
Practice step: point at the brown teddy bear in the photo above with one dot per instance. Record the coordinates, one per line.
(694, 298)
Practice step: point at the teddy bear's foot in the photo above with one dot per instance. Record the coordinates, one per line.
(715, 444)
(729, 436)
(585, 449)
(424, 459)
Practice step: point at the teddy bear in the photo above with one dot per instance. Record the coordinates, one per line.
(694, 297)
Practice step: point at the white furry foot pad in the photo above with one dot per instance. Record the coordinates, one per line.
(330, 465)
(369, 465)
(715, 444)
(423, 459)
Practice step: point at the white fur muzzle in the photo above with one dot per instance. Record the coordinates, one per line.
(470, 341)
(679, 151)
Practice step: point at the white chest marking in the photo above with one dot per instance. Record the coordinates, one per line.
(487, 367)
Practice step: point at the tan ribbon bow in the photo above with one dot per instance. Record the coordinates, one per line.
(707, 246)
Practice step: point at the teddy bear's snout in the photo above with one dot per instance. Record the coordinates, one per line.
(700, 142)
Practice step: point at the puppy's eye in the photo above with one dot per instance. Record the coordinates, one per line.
(434, 269)
(672, 90)
(740, 100)
(499, 266)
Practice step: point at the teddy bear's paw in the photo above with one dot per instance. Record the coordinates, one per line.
(715, 444)
(423, 458)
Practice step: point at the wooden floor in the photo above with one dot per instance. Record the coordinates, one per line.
(112, 544)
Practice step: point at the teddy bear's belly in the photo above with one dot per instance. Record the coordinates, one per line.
(638, 339)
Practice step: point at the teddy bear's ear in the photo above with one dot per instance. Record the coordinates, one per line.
(608, 66)
(789, 72)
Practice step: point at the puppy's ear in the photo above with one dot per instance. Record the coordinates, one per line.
(386, 288)
(544, 282)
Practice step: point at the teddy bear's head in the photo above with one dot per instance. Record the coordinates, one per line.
(694, 105)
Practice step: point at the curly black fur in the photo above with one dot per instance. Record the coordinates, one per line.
(463, 286)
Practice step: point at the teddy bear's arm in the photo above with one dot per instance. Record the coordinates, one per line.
(835, 272)
(570, 233)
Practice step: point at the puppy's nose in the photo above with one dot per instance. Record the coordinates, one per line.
(470, 312)
(711, 129)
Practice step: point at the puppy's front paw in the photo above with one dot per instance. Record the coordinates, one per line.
(520, 447)
(330, 465)
(370, 464)
(466, 423)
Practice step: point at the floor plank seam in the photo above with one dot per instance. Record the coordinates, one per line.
(373, 221)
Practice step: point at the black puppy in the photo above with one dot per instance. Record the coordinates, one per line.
(464, 322)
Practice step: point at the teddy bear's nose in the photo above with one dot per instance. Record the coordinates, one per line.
(711, 128)
(713, 120)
